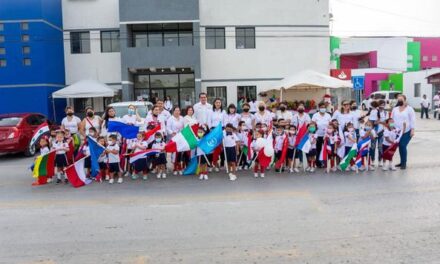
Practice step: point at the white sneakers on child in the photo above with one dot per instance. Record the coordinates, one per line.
(120, 180)
(111, 181)
(145, 177)
(175, 173)
(180, 173)
(232, 177)
(217, 169)
(312, 169)
(203, 177)
(107, 178)
(256, 175)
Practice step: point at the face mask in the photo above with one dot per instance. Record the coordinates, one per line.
(399, 103)
(243, 128)
(155, 115)
(264, 128)
(261, 108)
(354, 108)
(367, 128)
(312, 129)
(200, 134)
(92, 133)
(330, 130)
(228, 133)
(283, 108)
(292, 132)
(158, 140)
(246, 110)
(322, 110)
(90, 114)
(300, 110)
(391, 125)
(70, 114)
(351, 129)
(131, 112)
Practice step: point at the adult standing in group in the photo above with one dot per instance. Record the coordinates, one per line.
(203, 111)
(357, 116)
(247, 117)
(263, 116)
(168, 104)
(301, 117)
(163, 113)
(404, 119)
(154, 119)
(344, 115)
(252, 106)
(217, 113)
(322, 119)
(231, 116)
(71, 122)
(425, 105)
(436, 100)
(91, 120)
(283, 113)
(174, 125)
(109, 115)
(189, 118)
(132, 117)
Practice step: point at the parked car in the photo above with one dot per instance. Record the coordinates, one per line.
(121, 108)
(390, 98)
(16, 131)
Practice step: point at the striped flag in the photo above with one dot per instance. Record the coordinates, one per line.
(39, 132)
(183, 141)
(325, 150)
(76, 174)
(304, 144)
(44, 167)
(345, 162)
(143, 154)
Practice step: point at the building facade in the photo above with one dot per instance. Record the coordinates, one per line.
(31, 56)
(228, 48)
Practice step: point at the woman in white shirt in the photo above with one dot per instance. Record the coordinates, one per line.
(247, 117)
(132, 117)
(405, 120)
(322, 119)
(344, 115)
(91, 120)
(301, 117)
(189, 119)
(231, 116)
(154, 119)
(71, 122)
(217, 113)
(174, 125)
(168, 104)
(263, 116)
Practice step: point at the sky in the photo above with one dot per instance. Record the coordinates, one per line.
(385, 18)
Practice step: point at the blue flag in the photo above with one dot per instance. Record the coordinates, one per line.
(211, 141)
(95, 151)
(191, 169)
(126, 131)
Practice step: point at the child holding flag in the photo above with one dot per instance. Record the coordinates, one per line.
(391, 136)
(103, 160)
(350, 140)
(311, 155)
(161, 159)
(243, 136)
(332, 137)
(44, 149)
(203, 162)
(291, 153)
(257, 145)
(279, 145)
(140, 165)
(114, 160)
(365, 133)
(61, 148)
(231, 142)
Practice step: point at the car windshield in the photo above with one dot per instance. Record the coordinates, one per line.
(9, 121)
(123, 110)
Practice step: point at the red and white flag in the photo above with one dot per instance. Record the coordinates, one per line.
(143, 154)
(325, 150)
(76, 174)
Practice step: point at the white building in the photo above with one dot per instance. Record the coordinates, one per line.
(416, 84)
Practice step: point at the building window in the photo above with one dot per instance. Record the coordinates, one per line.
(27, 62)
(214, 92)
(26, 49)
(215, 38)
(79, 42)
(2, 51)
(2, 38)
(434, 58)
(249, 92)
(425, 58)
(417, 90)
(245, 38)
(25, 38)
(2, 62)
(24, 26)
(158, 35)
(110, 41)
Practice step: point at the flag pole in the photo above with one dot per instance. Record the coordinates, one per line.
(207, 160)
(226, 157)
(293, 159)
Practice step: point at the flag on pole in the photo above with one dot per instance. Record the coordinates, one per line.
(193, 166)
(95, 151)
(325, 150)
(143, 154)
(149, 135)
(211, 140)
(304, 144)
(76, 174)
(126, 131)
(265, 157)
(184, 140)
(44, 166)
(280, 162)
(39, 132)
(389, 153)
(302, 131)
(345, 162)
(363, 146)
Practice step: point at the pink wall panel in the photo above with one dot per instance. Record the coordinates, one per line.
(372, 82)
(429, 47)
(352, 61)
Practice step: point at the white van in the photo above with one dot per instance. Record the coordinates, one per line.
(390, 98)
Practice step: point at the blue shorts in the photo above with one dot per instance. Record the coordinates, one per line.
(114, 167)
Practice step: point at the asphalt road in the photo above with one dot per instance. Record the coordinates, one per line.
(374, 217)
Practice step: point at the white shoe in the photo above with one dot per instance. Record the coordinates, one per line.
(210, 169)
(353, 168)
(381, 163)
(206, 177)
(217, 169)
(262, 175)
(392, 167)
(239, 168)
(49, 180)
(111, 181)
(154, 171)
(296, 170)
(312, 169)
(181, 173)
(145, 178)
(158, 176)
(334, 169)
(308, 169)
(107, 177)
(232, 177)
(371, 168)
(385, 168)
(362, 168)
(290, 170)
(201, 177)
(256, 175)
(164, 176)
(175, 173)
(120, 180)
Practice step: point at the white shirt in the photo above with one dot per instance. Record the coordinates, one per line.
(59, 147)
(406, 117)
(92, 122)
(322, 122)
(356, 116)
(71, 125)
(343, 119)
(151, 120)
(113, 158)
(279, 142)
(168, 105)
(230, 140)
(174, 125)
(158, 145)
(248, 120)
(436, 100)
(298, 120)
(189, 120)
(203, 112)
(44, 151)
(391, 134)
(231, 119)
(217, 118)
(286, 115)
(348, 142)
(252, 107)
(265, 118)
(425, 103)
(139, 145)
(131, 119)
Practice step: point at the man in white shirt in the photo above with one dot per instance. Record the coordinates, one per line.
(203, 110)
(424, 105)
(436, 100)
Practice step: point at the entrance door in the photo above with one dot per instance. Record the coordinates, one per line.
(174, 94)
(157, 93)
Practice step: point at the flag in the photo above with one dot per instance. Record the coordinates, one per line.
(76, 174)
(193, 166)
(143, 154)
(44, 165)
(39, 132)
(126, 131)
(280, 162)
(264, 158)
(389, 153)
(95, 151)
(151, 133)
(71, 153)
(363, 146)
(345, 162)
(325, 150)
(183, 141)
(304, 145)
(76, 141)
(211, 140)
(302, 131)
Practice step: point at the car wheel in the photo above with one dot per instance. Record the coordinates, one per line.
(30, 151)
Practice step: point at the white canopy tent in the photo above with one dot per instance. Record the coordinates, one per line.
(308, 80)
(85, 89)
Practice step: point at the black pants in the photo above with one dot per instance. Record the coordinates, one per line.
(319, 143)
(425, 111)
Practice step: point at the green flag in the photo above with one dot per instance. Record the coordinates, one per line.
(345, 162)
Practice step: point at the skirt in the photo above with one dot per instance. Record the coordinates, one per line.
(161, 159)
(60, 161)
(290, 152)
(140, 165)
(231, 154)
(114, 167)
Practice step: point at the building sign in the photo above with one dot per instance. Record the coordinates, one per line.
(434, 79)
(342, 74)
(358, 82)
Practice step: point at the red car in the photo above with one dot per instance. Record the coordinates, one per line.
(16, 131)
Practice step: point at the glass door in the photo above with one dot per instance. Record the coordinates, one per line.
(157, 94)
(174, 95)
